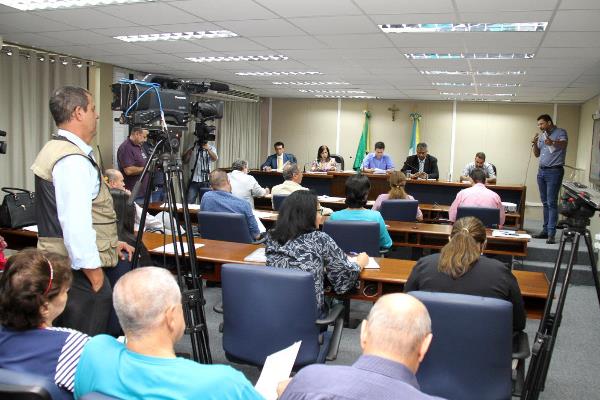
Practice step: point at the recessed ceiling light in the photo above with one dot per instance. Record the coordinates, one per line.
(273, 57)
(154, 37)
(477, 94)
(332, 91)
(28, 5)
(452, 84)
(485, 73)
(326, 96)
(466, 27)
(472, 56)
(310, 83)
(278, 73)
(482, 84)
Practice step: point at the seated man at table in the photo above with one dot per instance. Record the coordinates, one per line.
(278, 160)
(490, 174)
(477, 196)
(293, 178)
(146, 366)
(378, 161)
(394, 339)
(220, 199)
(421, 165)
(243, 185)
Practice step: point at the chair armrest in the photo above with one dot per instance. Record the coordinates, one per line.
(521, 349)
(218, 308)
(332, 316)
(383, 252)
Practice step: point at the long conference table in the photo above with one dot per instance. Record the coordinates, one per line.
(389, 278)
(434, 196)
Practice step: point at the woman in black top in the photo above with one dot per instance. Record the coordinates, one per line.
(460, 268)
(296, 243)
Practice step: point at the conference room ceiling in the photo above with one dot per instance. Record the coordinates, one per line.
(341, 40)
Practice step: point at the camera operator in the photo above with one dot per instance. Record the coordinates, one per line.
(205, 153)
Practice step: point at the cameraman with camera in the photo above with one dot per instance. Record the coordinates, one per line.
(205, 153)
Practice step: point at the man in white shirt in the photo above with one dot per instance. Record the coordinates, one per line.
(293, 177)
(243, 185)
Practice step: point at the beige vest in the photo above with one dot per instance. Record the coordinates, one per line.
(103, 214)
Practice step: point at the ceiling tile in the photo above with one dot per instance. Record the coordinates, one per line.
(505, 5)
(576, 21)
(289, 42)
(405, 6)
(85, 18)
(263, 27)
(236, 44)
(26, 22)
(310, 8)
(225, 10)
(152, 14)
(336, 25)
(80, 37)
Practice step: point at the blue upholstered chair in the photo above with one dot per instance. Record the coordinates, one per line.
(490, 217)
(201, 193)
(472, 349)
(26, 386)
(267, 309)
(399, 210)
(225, 226)
(278, 200)
(355, 236)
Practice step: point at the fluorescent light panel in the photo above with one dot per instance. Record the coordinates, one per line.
(466, 27)
(470, 56)
(28, 5)
(291, 73)
(476, 84)
(482, 73)
(477, 94)
(326, 96)
(310, 83)
(332, 91)
(155, 37)
(276, 57)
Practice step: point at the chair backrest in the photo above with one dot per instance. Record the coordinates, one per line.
(230, 227)
(278, 200)
(96, 396)
(494, 168)
(354, 236)
(490, 217)
(470, 355)
(26, 386)
(399, 210)
(339, 160)
(201, 193)
(266, 309)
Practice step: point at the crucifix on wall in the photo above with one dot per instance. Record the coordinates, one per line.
(393, 110)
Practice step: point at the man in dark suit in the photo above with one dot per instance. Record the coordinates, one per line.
(279, 159)
(421, 165)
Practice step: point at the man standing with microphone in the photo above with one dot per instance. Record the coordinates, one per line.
(550, 145)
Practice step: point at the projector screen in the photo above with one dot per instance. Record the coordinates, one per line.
(595, 156)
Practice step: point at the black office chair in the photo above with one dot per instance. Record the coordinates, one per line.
(399, 210)
(267, 309)
(27, 386)
(355, 236)
(278, 200)
(490, 217)
(339, 160)
(471, 354)
(225, 226)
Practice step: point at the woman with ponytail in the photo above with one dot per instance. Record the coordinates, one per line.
(33, 292)
(397, 181)
(461, 268)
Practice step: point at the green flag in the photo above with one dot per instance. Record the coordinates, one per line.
(363, 143)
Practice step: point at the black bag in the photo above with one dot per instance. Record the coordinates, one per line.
(18, 208)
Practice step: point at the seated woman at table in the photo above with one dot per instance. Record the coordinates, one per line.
(296, 243)
(33, 292)
(397, 181)
(357, 191)
(324, 161)
(460, 268)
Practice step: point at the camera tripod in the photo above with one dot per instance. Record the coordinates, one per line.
(168, 163)
(545, 338)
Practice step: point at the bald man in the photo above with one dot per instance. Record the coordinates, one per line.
(394, 340)
(152, 325)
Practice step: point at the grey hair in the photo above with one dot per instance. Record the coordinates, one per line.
(422, 146)
(239, 165)
(289, 171)
(142, 296)
(112, 174)
(65, 100)
(398, 329)
(218, 179)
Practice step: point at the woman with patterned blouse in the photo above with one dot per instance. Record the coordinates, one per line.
(324, 161)
(296, 243)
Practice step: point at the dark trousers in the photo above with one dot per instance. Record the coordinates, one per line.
(194, 191)
(549, 182)
(86, 310)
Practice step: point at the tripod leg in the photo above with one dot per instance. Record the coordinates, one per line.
(593, 262)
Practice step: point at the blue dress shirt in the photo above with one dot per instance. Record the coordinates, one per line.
(220, 201)
(372, 162)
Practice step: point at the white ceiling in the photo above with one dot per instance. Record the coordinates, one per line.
(339, 38)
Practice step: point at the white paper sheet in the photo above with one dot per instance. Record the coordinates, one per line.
(257, 256)
(31, 228)
(180, 206)
(371, 265)
(277, 368)
(509, 234)
(169, 248)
